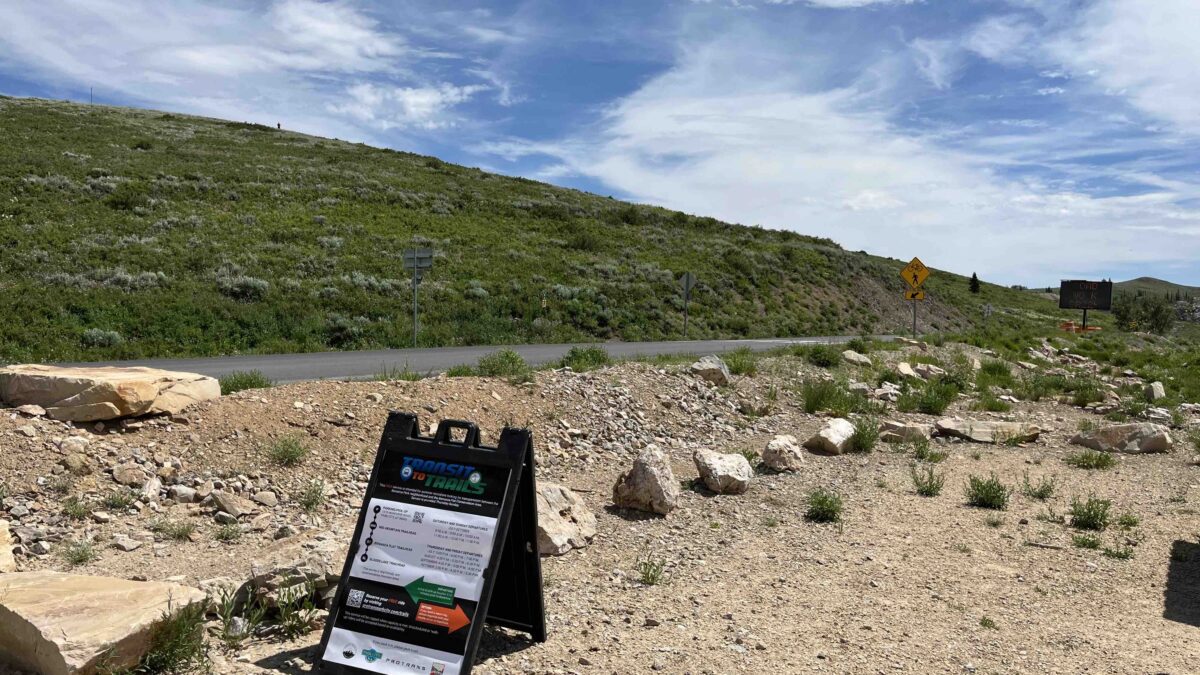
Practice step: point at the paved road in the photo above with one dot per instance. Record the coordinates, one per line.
(365, 364)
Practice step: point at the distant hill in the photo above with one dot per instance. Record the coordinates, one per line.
(1152, 286)
(132, 233)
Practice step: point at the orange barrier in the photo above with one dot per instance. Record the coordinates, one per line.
(1072, 327)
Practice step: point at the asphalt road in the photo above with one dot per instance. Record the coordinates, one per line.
(365, 364)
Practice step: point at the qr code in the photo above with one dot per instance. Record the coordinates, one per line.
(418, 516)
(355, 599)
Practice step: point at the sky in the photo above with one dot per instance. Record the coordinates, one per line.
(1025, 140)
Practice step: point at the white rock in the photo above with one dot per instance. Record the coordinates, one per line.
(783, 453)
(988, 431)
(713, 370)
(724, 474)
(834, 439)
(1155, 392)
(891, 431)
(564, 520)
(1127, 438)
(7, 562)
(650, 485)
(906, 370)
(854, 358)
(89, 394)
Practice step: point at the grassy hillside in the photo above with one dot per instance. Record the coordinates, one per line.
(131, 233)
(1152, 286)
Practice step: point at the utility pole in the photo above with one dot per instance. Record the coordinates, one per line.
(417, 260)
(688, 282)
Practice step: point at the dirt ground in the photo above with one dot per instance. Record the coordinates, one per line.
(903, 584)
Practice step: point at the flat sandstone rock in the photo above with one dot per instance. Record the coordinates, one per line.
(60, 624)
(103, 393)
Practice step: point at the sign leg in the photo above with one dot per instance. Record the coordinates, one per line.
(914, 302)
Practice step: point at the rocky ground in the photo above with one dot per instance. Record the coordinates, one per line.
(902, 583)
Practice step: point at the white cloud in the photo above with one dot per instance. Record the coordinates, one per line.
(386, 108)
(714, 136)
(1146, 50)
(1000, 38)
(1050, 91)
(938, 60)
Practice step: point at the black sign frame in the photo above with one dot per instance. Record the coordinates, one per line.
(520, 604)
(1085, 295)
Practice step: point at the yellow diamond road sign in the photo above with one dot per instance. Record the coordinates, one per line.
(914, 295)
(915, 273)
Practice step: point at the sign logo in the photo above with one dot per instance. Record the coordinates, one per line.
(443, 476)
(915, 273)
(372, 655)
(348, 652)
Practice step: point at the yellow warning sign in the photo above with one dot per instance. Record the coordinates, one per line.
(914, 295)
(915, 273)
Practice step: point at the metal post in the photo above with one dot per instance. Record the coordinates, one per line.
(914, 302)
(687, 295)
(416, 280)
(1085, 320)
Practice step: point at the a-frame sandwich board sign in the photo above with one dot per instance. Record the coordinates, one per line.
(446, 538)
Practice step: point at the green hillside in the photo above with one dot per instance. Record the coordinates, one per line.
(131, 233)
(1152, 286)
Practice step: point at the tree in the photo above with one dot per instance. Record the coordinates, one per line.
(1159, 315)
(974, 283)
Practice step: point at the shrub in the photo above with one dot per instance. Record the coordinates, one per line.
(118, 501)
(312, 496)
(742, 361)
(243, 288)
(127, 196)
(1128, 521)
(1041, 491)
(922, 451)
(994, 373)
(987, 493)
(859, 344)
(650, 571)
(228, 532)
(865, 436)
(287, 451)
(1092, 514)
(79, 552)
(1090, 459)
(240, 380)
(988, 401)
(178, 530)
(1085, 391)
(177, 643)
(583, 359)
(1089, 541)
(823, 356)
(931, 398)
(824, 506)
(75, 508)
(505, 363)
(927, 481)
(1122, 553)
(97, 337)
(462, 370)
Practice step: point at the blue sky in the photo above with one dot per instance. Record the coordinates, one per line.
(1027, 140)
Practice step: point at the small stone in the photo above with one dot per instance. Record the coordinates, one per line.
(375, 398)
(101, 517)
(266, 498)
(28, 431)
(39, 548)
(225, 518)
(285, 531)
(124, 543)
(32, 410)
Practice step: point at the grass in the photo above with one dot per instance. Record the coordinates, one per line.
(60, 484)
(650, 571)
(75, 508)
(924, 452)
(1041, 490)
(822, 356)
(865, 436)
(1128, 521)
(1119, 553)
(1088, 541)
(396, 373)
(297, 611)
(742, 361)
(80, 552)
(583, 359)
(927, 481)
(240, 238)
(1090, 460)
(987, 401)
(121, 500)
(993, 521)
(930, 398)
(824, 506)
(241, 380)
(312, 496)
(505, 363)
(987, 493)
(988, 623)
(1090, 514)
(287, 451)
(228, 533)
(178, 644)
(994, 373)
(177, 530)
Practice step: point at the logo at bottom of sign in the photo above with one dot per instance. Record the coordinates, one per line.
(914, 295)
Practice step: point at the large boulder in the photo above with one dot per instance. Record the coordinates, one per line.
(783, 453)
(723, 474)
(891, 431)
(1155, 392)
(855, 359)
(906, 370)
(60, 624)
(232, 504)
(1128, 438)
(988, 431)
(103, 393)
(7, 562)
(564, 521)
(650, 485)
(928, 371)
(834, 439)
(713, 370)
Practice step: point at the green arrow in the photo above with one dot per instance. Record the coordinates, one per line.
(420, 591)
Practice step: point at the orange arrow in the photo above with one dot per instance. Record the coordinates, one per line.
(451, 619)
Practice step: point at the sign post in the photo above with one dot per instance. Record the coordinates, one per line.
(417, 260)
(914, 274)
(688, 281)
(1085, 295)
(446, 538)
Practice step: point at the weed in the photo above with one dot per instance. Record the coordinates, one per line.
(993, 521)
(988, 401)
(287, 451)
(235, 629)
(75, 508)
(928, 482)
(79, 552)
(395, 373)
(1092, 514)
(771, 521)
(583, 359)
(60, 484)
(1088, 541)
(312, 496)
(179, 530)
(121, 500)
(819, 394)
(824, 506)
(1087, 424)
(922, 451)
(461, 371)
(994, 373)
(987, 493)
(505, 363)
(228, 532)
(751, 456)
(986, 622)
(1128, 521)
(1090, 459)
(650, 571)
(865, 436)
(297, 612)
(1121, 553)
(823, 356)
(240, 380)
(1041, 491)
(977, 455)
(742, 361)
(177, 643)
(932, 398)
